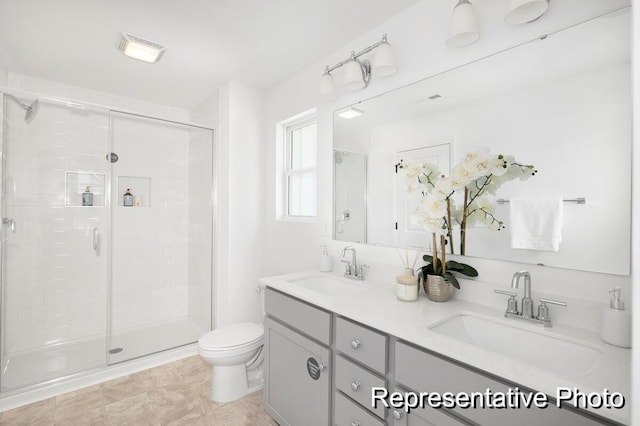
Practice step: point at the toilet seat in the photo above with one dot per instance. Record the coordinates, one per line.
(232, 336)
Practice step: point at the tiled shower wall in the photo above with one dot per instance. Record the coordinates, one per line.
(149, 242)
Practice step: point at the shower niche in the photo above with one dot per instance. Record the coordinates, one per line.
(79, 184)
(139, 187)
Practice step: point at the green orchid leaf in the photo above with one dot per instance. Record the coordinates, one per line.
(467, 270)
(427, 270)
(452, 280)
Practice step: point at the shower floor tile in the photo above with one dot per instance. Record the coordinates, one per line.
(172, 394)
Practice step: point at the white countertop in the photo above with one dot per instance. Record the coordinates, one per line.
(378, 308)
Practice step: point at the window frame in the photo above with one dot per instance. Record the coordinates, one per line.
(286, 171)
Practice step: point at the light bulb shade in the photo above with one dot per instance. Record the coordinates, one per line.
(384, 61)
(354, 78)
(464, 27)
(523, 11)
(327, 90)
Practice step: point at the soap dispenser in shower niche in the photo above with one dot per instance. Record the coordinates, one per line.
(87, 197)
(616, 322)
(127, 198)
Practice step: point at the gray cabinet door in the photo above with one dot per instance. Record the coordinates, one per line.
(297, 377)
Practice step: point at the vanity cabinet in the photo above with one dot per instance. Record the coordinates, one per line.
(297, 361)
(320, 368)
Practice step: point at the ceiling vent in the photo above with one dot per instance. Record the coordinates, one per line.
(141, 49)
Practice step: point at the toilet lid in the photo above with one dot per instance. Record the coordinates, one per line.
(232, 335)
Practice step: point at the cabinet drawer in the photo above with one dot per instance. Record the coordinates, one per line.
(426, 416)
(348, 413)
(362, 344)
(424, 371)
(356, 382)
(307, 318)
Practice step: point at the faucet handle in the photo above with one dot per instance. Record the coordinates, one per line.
(543, 309)
(360, 270)
(552, 302)
(512, 303)
(347, 266)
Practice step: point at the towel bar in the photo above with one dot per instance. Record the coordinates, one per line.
(579, 200)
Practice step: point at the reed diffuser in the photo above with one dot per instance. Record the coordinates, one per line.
(407, 284)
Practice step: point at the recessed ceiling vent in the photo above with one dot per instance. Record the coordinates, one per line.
(141, 49)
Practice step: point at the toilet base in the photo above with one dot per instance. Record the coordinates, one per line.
(229, 383)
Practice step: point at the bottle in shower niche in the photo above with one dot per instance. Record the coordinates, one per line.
(87, 197)
(127, 198)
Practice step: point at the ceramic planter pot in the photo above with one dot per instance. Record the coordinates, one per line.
(437, 288)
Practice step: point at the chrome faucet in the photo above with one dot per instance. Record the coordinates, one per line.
(352, 269)
(527, 303)
(526, 312)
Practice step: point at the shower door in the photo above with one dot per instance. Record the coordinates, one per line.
(54, 241)
(161, 235)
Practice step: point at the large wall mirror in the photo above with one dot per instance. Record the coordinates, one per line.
(561, 103)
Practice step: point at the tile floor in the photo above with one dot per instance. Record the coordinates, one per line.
(171, 394)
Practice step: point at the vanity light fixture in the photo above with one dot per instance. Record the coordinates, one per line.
(464, 26)
(525, 11)
(350, 113)
(141, 49)
(357, 72)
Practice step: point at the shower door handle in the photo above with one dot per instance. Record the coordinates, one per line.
(10, 222)
(96, 241)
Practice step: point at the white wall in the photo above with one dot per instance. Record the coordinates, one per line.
(240, 202)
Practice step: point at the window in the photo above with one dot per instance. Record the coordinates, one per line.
(298, 186)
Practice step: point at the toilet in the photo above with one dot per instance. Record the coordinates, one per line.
(235, 354)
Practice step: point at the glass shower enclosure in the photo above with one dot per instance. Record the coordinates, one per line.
(106, 240)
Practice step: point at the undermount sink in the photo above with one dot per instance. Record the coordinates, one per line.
(564, 357)
(331, 286)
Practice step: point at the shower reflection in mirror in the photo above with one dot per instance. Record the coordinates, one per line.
(350, 196)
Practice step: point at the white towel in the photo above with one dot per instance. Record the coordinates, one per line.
(536, 223)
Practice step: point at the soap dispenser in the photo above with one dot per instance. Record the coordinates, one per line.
(87, 197)
(127, 198)
(325, 260)
(616, 322)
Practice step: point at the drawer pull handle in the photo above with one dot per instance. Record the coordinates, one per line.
(355, 344)
(355, 386)
(397, 414)
(355, 423)
(322, 366)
